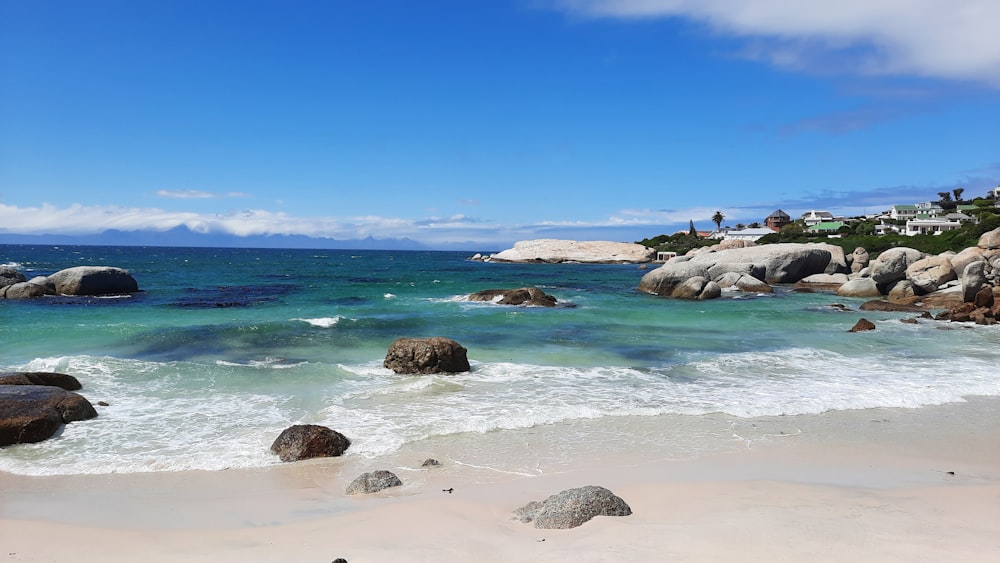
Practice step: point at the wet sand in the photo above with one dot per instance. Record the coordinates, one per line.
(868, 485)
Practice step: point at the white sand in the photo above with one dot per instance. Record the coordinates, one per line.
(851, 486)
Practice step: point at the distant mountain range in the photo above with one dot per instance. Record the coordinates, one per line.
(182, 236)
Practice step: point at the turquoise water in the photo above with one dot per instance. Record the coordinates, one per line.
(224, 348)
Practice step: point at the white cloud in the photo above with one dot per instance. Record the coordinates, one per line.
(953, 39)
(434, 231)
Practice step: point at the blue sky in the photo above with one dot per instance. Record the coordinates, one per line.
(475, 124)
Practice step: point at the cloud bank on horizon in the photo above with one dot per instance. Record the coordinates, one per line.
(741, 106)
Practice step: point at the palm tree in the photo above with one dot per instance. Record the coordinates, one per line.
(718, 218)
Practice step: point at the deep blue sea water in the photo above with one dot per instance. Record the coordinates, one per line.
(224, 348)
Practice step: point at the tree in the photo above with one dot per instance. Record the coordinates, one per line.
(958, 193)
(691, 230)
(718, 218)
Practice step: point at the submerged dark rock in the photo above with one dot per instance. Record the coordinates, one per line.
(523, 296)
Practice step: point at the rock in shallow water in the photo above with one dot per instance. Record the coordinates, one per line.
(304, 441)
(426, 355)
(32, 413)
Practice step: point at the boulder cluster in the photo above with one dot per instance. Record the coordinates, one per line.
(705, 272)
(35, 405)
(967, 282)
(79, 280)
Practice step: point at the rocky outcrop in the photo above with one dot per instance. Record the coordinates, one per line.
(79, 280)
(32, 413)
(554, 251)
(769, 264)
(373, 482)
(572, 507)
(305, 441)
(522, 296)
(426, 355)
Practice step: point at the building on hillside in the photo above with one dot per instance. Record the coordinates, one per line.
(826, 227)
(931, 226)
(777, 219)
(751, 235)
(903, 212)
(814, 217)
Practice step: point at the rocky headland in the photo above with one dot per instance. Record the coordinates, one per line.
(966, 283)
(555, 251)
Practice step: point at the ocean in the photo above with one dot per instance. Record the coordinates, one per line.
(224, 348)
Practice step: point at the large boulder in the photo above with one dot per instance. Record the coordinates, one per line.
(859, 287)
(10, 275)
(591, 252)
(305, 441)
(93, 280)
(901, 291)
(859, 259)
(25, 290)
(373, 482)
(973, 279)
(523, 296)
(990, 240)
(32, 413)
(964, 258)
(426, 355)
(572, 508)
(930, 273)
(891, 265)
(61, 380)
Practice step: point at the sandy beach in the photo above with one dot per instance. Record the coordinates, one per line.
(864, 485)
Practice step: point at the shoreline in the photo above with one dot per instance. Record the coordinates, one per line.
(871, 485)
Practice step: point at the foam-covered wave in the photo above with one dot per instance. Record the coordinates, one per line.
(322, 322)
(179, 415)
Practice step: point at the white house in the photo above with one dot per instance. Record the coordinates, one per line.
(814, 217)
(747, 234)
(930, 226)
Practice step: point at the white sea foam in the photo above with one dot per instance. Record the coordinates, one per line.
(178, 416)
(322, 322)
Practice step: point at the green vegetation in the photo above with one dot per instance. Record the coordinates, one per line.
(679, 242)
